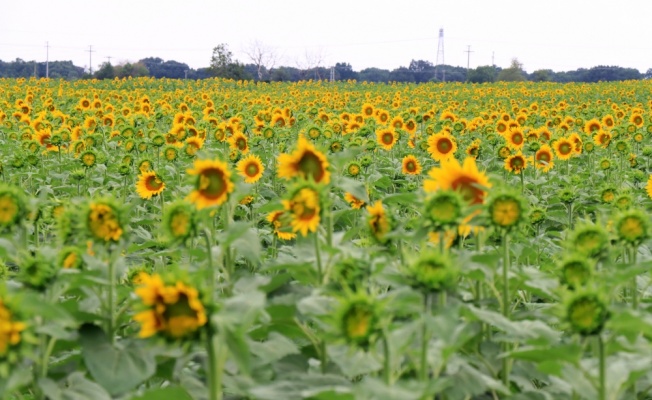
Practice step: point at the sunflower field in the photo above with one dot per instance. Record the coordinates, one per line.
(178, 239)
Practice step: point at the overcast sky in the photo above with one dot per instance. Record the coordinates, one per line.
(556, 34)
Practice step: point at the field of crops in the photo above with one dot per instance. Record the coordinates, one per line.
(167, 239)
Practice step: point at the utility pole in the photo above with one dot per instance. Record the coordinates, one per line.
(440, 54)
(47, 59)
(468, 60)
(186, 74)
(332, 74)
(109, 58)
(90, 58)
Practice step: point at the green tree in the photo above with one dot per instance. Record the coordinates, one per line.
(483, 74)
(224, 66)
(514, 73)
(106, 71)
(542, 75)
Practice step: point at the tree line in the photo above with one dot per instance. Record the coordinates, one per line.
(263, 68)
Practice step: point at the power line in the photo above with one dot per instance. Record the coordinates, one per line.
(90, 58)
(468, 60)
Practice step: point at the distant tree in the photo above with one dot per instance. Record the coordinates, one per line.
(542, 75)
(263, 57)
(483, 74)
(401, 74)
(344, 71)
(423, 71)
(286, 74)
(106, 71)
(648, 74)
(514, 73)
(223, 65)
(128, 69)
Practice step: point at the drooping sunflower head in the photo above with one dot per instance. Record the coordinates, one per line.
(464, 178)
(588, 239)
(358, 318)
(433, 271)
(179, 221)
(104, 220)
(444, 209)
(306, 162)
(587, 313)
(575, 271)
(537, 216)
(379, 222)
(212, 183)
(149, 184)
(251, 168)
(506, 209)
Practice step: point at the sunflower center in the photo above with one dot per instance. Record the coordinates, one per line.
(241, 143)
(251, 170)
(517, 138)
(387, 138)
(506, 213)
(469, 189)
(411, 166)
(543, 156)
(179, 224)
(444, 145)
(212, 183)
(310, 165)
(516, 163)
(565, 148)
(153, 183)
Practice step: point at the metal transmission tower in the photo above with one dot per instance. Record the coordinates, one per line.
(440, 56)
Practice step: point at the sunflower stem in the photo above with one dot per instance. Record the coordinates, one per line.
(228, 259)
(211, 271)
(506, 304)
(320, 268)
(387, 368)
(111, 299)
(602, 381)
(522, 174)
(216, 359)
(632, 259)
(423, 374)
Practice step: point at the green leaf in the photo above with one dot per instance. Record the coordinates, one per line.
(356, 188)
(523, 330)
(77, 387)
(167, 393)
(117, 368)
(274, 348)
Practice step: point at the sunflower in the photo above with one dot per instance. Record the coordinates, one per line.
(602, 139)
(10, 329)
(543, 158)
(386, 138)
(637, 120)
(88, 158)
(304, 208)
(442, 146)
(213, 183)
(464, 178)
(193, 145)
(251, 168)
(149, 184)
(564, 148)
(282, 232)
(103, 220)
(353, 201)
(379, 223)
(306, 162)
(179, 221)
(12, 206)
(175, 310)
(368, 110)
(515, 138)
(516, 163)
(239, 142)
(411, 166)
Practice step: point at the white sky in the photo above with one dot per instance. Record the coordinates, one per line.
(556, 34)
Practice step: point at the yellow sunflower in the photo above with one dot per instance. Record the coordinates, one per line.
(465, 178)
(353, 201)
(564, 148)
(251, 168)
(213, 183)
(10, 329)
(411, 166)
(543, 158)
(304, 208)
(276, 219)
(149, 184)
(306, 162)
(386, 138)
(379, 224)
(442, 146)
(239, 142)
(516, 163)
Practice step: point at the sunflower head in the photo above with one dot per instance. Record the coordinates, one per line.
(36, 272)
(358, 318)
(587, 313)
(633, 227)
(575, 271)
(251, 168)
(70, 257)
(623, 201)
(13, 207)
(303, 207)
(411, 165)
(588, 239)
(379, 222)
(353, 169)
(506, 209)
(444, 209)
(179, 221)
(104, 220)
(433, 272)
(568, 195)
(537, 216)
(12, 328)
(212, 183)
(464, 178)
(608, 194)
(88, 158)
(149, 184)
(170, 307)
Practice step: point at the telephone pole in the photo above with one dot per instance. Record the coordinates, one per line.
(468, 60)
(90, 58)
(47, 59)
(109, 58)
